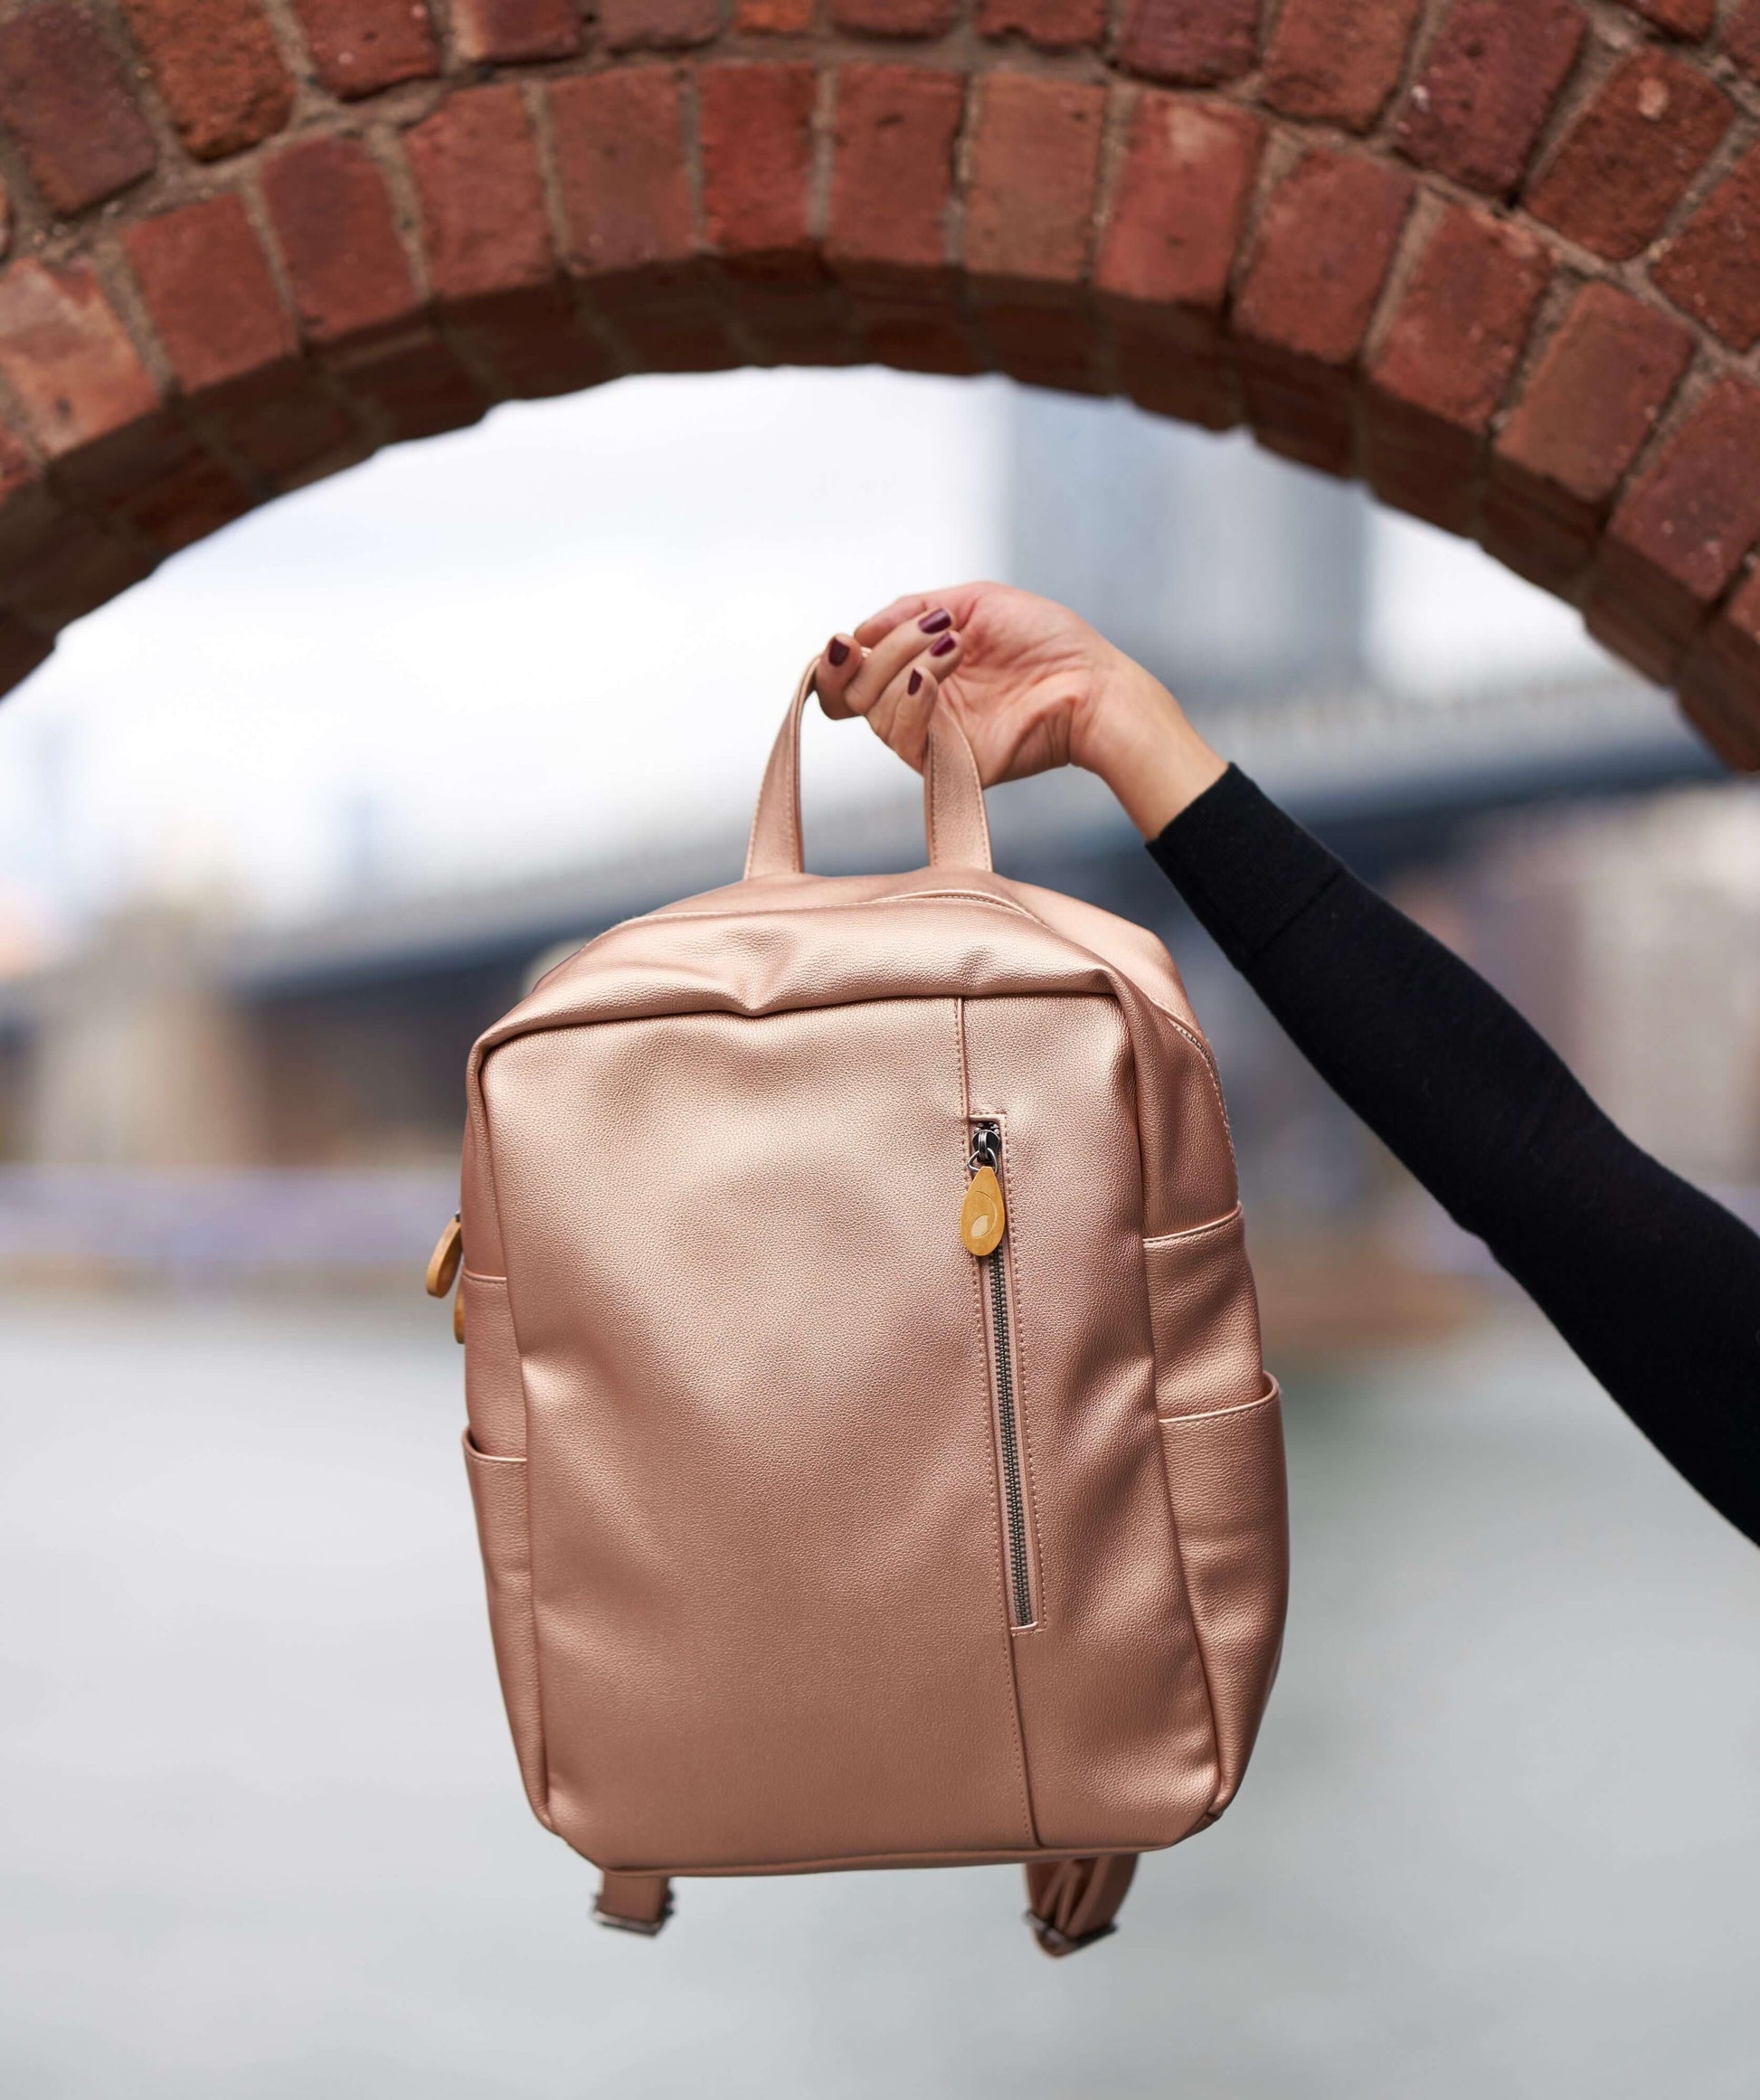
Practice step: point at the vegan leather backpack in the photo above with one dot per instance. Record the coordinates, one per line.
(872, 1458)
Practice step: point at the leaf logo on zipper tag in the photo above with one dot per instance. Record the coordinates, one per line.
(981, 1215)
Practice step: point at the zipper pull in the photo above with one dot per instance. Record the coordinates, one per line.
(982, 1214)
(443, 1262)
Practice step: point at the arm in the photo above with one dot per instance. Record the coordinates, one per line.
(1655, 1287)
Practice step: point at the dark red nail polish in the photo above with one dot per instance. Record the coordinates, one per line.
(947, 644)
(934, 623)
(916, 684)
(838, 652)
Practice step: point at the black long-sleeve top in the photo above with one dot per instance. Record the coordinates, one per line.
(1656, 1287)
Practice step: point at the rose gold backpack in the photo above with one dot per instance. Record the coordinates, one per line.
(872, 1459)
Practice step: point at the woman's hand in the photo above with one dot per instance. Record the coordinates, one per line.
(1032, 686)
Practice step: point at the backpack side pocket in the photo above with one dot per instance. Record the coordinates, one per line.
(1205, 1313)
(498, 1491)
(1230, 1503)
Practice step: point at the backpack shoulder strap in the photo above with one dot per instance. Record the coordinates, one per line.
(1071, 1903)
(634, 1903)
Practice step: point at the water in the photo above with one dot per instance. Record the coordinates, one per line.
(261, 1832)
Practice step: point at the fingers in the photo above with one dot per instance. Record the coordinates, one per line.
(930, 637)
(852, 680)
(900, 715)
(838, 663)
(877, 625)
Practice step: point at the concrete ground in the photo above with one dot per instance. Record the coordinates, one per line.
(260, 1832)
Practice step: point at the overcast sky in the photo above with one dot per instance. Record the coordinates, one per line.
(542, 638)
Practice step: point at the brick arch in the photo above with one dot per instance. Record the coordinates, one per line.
(1491, 255)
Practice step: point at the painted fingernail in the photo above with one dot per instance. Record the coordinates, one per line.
(837, 652)
(934, 623)
(916, 684)
(946, 646)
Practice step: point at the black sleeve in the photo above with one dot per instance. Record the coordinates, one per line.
(1656, 1287)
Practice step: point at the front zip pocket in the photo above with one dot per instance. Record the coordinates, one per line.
(983, 1222)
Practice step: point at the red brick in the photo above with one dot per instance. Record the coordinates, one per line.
(893, 18)
(1034, 159)
(1029, 226)
(914, 338)
(1720, 690)
(77, 565)
(477, 177)
(893, 178)
(1337, 62)
(413, 386)
(1441, 367)
(1323, 250)
(1592, 398)
(1043, 345)
(207, 286)
(67, 357)
(757, 160)
(64, 97)
(1489, 78)
(56, 564)
(1679, 533)
(160, 478)
(1179, 203)
(658, 25)
(1052, 24)
(794, 321)
(491, 30)
(21, 651)
(218, 69)
(1692, 19)
(283, 424)
(1712, 269)
(23, 495)
(360, 47)
(1190, 43)
(1463, 317)
(1741, 37)
(1735, 742)
(332, 216)
(1178, 206)
(1627, 161)
(774, 18)
(892, 186)
(620, 144)
(30, 511)
(532, 340)
(1322, 255)
(1169, 378)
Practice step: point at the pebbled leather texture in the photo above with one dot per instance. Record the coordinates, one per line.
(737, 1442)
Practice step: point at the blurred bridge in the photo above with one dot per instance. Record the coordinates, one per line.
(289, 1099)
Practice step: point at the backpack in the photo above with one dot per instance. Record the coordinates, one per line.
(872, 1459)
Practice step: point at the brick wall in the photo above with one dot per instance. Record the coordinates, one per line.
(1501, 258)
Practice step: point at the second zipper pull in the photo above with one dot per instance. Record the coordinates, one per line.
(983, 1215)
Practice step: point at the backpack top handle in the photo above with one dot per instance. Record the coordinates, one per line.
(953, 797)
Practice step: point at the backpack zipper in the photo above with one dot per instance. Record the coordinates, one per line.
(983, 1221)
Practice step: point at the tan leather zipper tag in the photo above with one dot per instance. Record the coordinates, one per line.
(443, 1262)
(981, 1215)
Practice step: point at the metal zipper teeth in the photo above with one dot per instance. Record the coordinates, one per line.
(1014, 1496)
